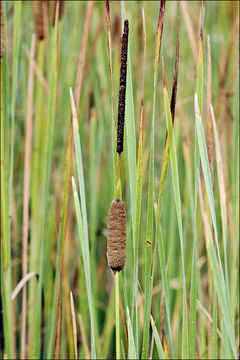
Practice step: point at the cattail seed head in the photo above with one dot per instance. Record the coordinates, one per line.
(2, 31)
(122, 88)
(116, 239)
(39, 19)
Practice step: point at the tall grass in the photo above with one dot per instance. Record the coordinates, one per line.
(178, 294)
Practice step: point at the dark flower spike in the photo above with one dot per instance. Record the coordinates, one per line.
(122, 88)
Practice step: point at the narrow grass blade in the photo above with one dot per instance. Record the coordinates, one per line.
(62, 234)
(59, 325)
(138, 198)
(157, 340)
(194, 285)
(82, 220)
(200, 66)
(74, 325)
(151, 347)
(124, 321)
(214, 328)
(67, 310)
(114, 131)
(235, 172)
(234, 274)
(4, 155)
(149, 230)
(2, 48)
(35, 351)
(208, 115)
(131, 345)
(6, 271)
(163, 328)
(83, 337)
(80, 170)
(206, 173)
(26, 193)
(15, 68)
(176, 188)
(226, 349)
(222, 192)
(108, 326)
(7, 178)
(37, 164)
(85, 261)
(6, 282)
(96, 148)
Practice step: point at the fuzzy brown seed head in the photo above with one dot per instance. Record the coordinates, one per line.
(2, 31)
(39, 19)
(122, 88)
(116, 239)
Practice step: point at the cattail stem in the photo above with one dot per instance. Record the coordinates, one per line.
(120, 134)
(118, 187)
(117, 315)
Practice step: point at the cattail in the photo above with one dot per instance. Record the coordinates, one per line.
(2, 32)
(122, 88)
(39, 19)
(60, 10)
(116, 239)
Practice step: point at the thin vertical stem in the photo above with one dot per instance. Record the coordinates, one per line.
(74, 324)
(118, 185)
(26, 189)
(117, 315)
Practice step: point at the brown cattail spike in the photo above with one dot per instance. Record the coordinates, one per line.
(38, 17)
(2, 31)
(116, 239)
(122, 88)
